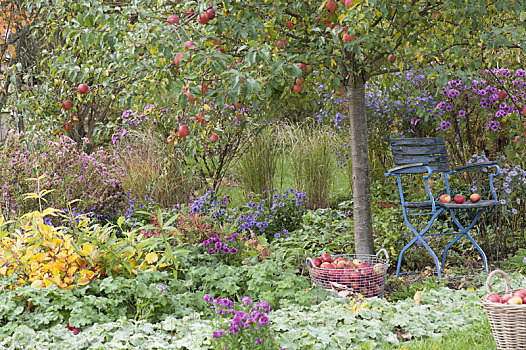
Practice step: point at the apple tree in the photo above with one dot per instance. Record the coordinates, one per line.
(265, 51)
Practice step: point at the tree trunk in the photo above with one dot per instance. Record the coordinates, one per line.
(363, 227)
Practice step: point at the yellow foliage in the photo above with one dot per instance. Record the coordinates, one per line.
(43, 255)
(151, 258)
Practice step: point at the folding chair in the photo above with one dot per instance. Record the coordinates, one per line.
(429, 155)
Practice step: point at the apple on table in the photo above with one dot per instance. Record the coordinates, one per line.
(474, 198)
(459, 199)
(445, 198)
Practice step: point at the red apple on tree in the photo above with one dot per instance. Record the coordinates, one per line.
(170, 139)
(66, 104)
(308, 68)
(83, 89)
(300, 81)
(202, 19)
(210, 14)
(348, 3)
(331, 6)
(173, 19)
(178, 57)
(391, 58)
(298, 88)
(183, 131)
(459, 199)
(214, 138)
(189, 44)
(288, 24)
(524, 110)
(445, 198)
(190, 97)
(502, 94)
(474, 198)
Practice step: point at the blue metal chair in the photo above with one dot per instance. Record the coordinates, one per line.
(429, 155)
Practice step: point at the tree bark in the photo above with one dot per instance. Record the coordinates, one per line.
(363, 227)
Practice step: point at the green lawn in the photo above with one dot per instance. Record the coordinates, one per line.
(477, 337)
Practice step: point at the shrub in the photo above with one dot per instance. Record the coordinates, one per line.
(43, 255)
(94, 179)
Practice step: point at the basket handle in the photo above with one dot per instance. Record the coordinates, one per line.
(385, 253)
(504, 276)
(310, 263)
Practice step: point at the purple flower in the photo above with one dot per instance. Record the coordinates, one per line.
(444, 125)
(263, 320)
(218, 334)
(207, 297)
(462, 113)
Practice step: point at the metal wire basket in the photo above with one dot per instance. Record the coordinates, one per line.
(367, 279)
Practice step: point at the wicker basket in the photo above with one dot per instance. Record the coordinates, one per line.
(368, 281)
(508, 322)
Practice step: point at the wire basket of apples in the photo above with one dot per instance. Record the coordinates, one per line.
(363, 274)
(506, 312)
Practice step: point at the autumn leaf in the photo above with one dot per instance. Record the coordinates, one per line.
(151, 258)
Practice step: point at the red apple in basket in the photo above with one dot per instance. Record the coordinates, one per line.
(317, 262)
(341, 264)
(379, 268)
(346, 278)
(505, 298)
(494, 298)
(357, 262)
(326, 258)
(515, 300)
(521, 293)
(327, 265)
(366, 269)
(350, 265)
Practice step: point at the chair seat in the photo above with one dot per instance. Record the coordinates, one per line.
(469, 205)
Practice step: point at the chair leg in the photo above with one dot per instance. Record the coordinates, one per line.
(418, 237)
(464, 232)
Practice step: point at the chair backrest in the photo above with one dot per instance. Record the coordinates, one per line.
(431, 151)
